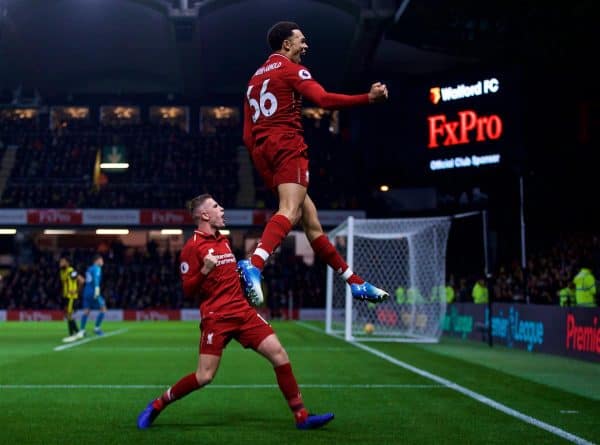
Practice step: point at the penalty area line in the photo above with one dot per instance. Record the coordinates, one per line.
(88, 340)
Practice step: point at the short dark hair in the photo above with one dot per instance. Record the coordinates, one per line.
(197, 202)
(97, 256)
(279, 32)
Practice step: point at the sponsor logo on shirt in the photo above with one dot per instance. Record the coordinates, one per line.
(225, 258)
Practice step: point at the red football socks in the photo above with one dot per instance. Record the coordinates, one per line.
(301, 415)
(183, 387)
(275, 231)
(289, 388)
(328, 254)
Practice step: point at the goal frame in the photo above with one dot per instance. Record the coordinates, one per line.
(347, 229)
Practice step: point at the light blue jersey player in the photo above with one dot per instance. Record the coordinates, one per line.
(92, 299)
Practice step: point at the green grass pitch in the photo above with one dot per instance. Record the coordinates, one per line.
(381, 393)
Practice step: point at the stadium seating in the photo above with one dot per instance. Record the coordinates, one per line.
(55, 168)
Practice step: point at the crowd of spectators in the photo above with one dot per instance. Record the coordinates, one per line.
(291, 283)
(55, 168)
(147, 278)
(550, 268)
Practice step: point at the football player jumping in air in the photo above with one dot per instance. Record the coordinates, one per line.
(273, 134)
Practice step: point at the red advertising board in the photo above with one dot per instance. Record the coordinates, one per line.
(148, 217)
(55, 217)
(152, 315)
(160, 217)
(33, 315)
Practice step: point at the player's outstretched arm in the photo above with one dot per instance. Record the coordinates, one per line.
(314, 92)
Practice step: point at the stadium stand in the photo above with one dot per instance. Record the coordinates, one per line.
(167, 164)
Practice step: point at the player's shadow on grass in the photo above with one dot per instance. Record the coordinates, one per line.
(231, 420)
(262, 423)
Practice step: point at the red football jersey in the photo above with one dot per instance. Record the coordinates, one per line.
(274, 98)
(220, 290)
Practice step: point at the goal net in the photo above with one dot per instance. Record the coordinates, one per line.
(407, 258)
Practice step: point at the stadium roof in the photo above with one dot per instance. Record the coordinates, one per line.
(210, 47)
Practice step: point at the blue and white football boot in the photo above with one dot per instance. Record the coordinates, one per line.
(368, 292)
(251, 277)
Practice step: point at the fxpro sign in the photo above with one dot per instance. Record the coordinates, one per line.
(467, 125)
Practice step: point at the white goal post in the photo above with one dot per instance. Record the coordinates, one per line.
(404, 256)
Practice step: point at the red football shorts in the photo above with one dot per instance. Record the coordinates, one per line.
(281, 159)
(248, 328)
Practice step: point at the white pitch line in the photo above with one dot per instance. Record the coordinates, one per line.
(479, 397)
(87, 340)
(248, 386)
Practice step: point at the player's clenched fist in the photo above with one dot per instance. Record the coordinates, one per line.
(210, 261)
(378, 92)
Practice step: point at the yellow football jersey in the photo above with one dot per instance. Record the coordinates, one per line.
(70, 285)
